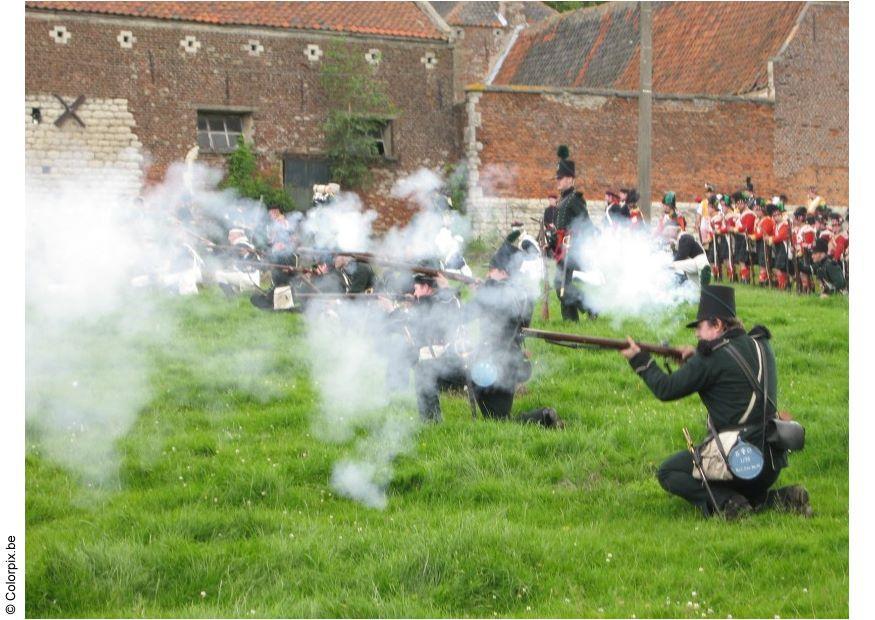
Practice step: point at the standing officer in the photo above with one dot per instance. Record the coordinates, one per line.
(713, 370)
(572, 227)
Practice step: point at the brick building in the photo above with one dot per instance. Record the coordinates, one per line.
(159, 77)
(481, 31)
(740, 89)
(755, 88)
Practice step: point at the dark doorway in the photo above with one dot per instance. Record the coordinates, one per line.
(299, 177)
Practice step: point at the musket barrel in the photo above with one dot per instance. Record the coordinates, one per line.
(604, 343)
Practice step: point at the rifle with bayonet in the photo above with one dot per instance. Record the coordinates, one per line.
(542, 244)
(797, 276)
(580, 340)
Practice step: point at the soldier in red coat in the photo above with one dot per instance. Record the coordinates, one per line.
(781, 248)
(764, 230)
(805, 236)
(840, 242)
(744, 229)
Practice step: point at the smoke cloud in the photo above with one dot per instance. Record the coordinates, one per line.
(628, 275)
(95, 258)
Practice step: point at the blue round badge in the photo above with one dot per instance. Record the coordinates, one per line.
(484, 373)
(745, 460)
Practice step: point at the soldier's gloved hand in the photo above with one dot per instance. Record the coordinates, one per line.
(632, 350)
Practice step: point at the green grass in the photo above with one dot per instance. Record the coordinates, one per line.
(223, 489)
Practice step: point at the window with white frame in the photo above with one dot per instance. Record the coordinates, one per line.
(218, 132)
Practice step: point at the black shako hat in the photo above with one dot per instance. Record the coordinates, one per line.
(716, 302)
(421, 278)
(565, 168)
(820, 245)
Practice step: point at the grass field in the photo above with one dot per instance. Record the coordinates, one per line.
(221, 504)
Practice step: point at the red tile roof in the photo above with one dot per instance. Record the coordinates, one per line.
(398, 19)
(718, 48)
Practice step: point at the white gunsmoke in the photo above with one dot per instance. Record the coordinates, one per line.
(89, 332)
(627, 275)
(351, 344)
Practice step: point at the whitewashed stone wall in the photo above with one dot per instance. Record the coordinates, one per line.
(106, 148)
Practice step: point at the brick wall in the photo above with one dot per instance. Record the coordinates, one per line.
(512, 140)
(165, 85)
(811, 79)
(477, 48)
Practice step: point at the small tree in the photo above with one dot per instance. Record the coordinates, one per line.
(358, 108)
(243, 176)
(457, 185)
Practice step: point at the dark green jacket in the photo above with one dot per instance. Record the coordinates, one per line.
(720, 382)
(830, 273)
(359, 277)
(571, 210)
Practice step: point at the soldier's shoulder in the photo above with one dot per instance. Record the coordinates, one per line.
(760, 332)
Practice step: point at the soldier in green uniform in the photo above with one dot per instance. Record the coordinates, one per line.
(358, 276)
(572, 227)
(500, 307)
(827, 270)
(732, 403)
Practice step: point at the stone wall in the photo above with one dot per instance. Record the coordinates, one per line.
(106, 145)
(168, 70)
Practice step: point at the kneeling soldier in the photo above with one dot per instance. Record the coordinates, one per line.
(731, 371)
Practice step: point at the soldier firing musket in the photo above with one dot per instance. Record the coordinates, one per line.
(735, 374)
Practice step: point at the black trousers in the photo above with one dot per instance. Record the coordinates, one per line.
(676, 476)
(571, 298)
(496, 404)
(432, 376)
(782, 258)
(739, 249)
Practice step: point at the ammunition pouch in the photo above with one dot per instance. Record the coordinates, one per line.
(785, 434)
(282, 298)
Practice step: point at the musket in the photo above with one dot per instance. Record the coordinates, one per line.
(767, 260)
(718, 275)
(368, 257)
(601, 343)
(697, 461)
(426, 271)
(329, 295)
(542, 242)
(730, 238)
(281, 267)
(797, 276)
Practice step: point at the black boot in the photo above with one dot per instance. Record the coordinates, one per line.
(736, 507)
(790, 499)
